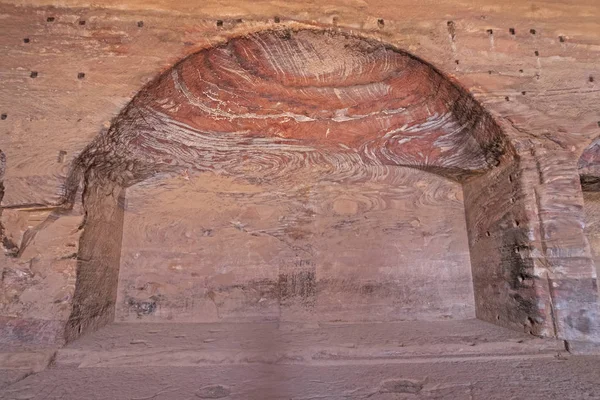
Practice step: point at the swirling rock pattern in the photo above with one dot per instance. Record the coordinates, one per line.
(271, 103)
(526, 233)
(279, 110)
(293, 114)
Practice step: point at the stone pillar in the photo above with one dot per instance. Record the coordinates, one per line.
(566, 258)
(99, 259)
(500, 212)
(532, 268)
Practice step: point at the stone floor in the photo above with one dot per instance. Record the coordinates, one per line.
(466, 359)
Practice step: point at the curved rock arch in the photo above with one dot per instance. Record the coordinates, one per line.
(303, 92)
(322, 103)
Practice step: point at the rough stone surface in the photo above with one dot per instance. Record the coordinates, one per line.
(466, 359)
(329, 172)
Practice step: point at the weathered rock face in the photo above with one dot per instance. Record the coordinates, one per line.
(301, 173)
(589, 173)
(211, 248)
(589, 167)
(315, 131)
(263, 106)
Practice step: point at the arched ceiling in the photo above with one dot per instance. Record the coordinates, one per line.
(280, 101)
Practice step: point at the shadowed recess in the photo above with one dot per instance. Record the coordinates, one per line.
(589, 167)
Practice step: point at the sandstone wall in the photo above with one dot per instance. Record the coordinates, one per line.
(68, 71)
